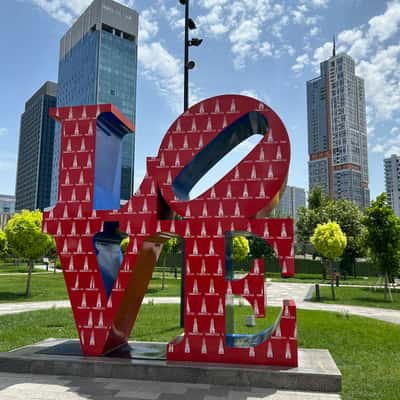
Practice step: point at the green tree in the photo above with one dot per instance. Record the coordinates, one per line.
(345, 213)
(383, 238)
(316, 198)
(25, 237)
(124, 244)
(350, 219)
(259, 248)
(307, 221)
(241, 248)
(3, 243)
(330, 241)
(171, 247)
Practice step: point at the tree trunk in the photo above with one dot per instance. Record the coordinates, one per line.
(387, 289)
(332, 281)
(163, 273)
(28, 282)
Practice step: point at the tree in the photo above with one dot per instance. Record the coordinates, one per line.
(3, 243)
(171, 246)
(317, 198)
(307, 221)
(25, 237)
(383, 238)
(241, 248)
(350, 219)
(345, 213)
(124, 244)
(259, 248)
(330, 241)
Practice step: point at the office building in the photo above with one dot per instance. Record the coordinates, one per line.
(7, 209)
(7, 204)
(392, 182)
(291, 201)
(98, 64)
(337, 131)
(35, 151)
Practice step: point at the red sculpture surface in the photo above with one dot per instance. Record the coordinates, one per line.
(239, 202)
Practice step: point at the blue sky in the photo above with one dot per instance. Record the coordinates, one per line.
(264, 48)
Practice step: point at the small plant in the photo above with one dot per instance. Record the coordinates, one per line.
(329, 240)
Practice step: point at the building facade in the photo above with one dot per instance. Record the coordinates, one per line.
(7, 209)
(35, 151)
(337, 131)
(291, 201)
(98, 64)
(392, 182)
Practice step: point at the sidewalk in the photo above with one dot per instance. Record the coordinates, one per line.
(276, 292)
(39, 387)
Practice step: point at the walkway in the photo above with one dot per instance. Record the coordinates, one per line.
(46, 387)
(276, 292)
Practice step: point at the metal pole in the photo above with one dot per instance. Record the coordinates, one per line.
(185, 107)
(186, 61)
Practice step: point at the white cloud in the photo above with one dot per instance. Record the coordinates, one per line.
(148, 26)
(247, 25)
(395, 149)
(283, 50)
(250, 93)
(382, 27)
(66, 11)
(3, 131)
(314, 31)
(164, 70)
(378, 148)
(323, 53)
(318, 3)
(301, 62)
(382, 81)
(159, 65)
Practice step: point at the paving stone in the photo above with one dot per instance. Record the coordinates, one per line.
(34, 387)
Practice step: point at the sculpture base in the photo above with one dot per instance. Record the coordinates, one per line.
(317, 370)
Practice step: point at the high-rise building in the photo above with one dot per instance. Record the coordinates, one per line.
(98, 64)
(7, 209)
(291, 201)
(337, 131)
(35, 151)
(392, 182)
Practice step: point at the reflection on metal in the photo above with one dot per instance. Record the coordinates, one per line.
(108, 253)
(106, 291)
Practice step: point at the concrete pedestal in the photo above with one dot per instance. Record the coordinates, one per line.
(317, 370)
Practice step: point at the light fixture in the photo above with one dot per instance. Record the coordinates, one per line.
(191, 24)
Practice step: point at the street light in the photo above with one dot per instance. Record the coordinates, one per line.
(189, 25)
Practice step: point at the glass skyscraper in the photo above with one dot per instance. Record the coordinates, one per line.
(98, 64)
(337, 131)
(392, 182)
(291, 201)
(35, 151)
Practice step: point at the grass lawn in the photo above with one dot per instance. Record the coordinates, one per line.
(9, 268)
(52, 287)
(366, 351)
(360, 297)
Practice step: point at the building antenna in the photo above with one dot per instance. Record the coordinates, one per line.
(334, 46)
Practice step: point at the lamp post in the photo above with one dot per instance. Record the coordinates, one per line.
(188, 64)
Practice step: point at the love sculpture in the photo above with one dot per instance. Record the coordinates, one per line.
(106, 289)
